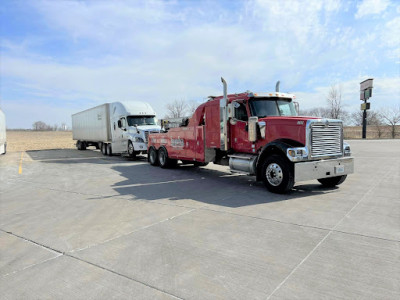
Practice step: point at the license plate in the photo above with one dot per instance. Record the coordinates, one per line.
(339, 169)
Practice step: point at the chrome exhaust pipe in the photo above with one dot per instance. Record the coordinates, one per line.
(223, 117)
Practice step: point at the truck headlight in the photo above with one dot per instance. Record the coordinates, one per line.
(139, 139)
(346, 149)
(297, 154)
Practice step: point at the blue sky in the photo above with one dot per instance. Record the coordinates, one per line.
(60, 57)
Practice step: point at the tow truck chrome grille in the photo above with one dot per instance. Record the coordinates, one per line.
(326, 140)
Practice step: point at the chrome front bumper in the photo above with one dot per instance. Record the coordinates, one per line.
(323, 168)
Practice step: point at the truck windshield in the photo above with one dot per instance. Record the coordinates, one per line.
(141, 120)
(272, 107)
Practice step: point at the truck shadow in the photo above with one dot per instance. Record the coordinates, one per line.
(184, 185)
(188, 184)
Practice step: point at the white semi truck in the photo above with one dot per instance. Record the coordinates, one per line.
(3, 141)
(115, 128)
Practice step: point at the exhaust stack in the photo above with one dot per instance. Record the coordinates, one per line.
(277, 86)
(223, 118)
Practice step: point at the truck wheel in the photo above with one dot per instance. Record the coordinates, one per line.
(277, 174)
(109, 150)
(79, 145)
(332, 181)
(104, 149)
(153, 159)
(164, 160)
(131, 150)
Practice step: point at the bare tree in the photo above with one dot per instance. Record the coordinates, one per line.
(391, 117)
(55, 127)
(192, 106)
(321, 112)
(177, 109)
(334, 100)
(373, 118)
(40, 126)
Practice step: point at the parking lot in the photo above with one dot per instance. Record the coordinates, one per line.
(79, 225)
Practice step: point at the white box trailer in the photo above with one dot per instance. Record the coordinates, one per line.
(119, 128)
(3, 140)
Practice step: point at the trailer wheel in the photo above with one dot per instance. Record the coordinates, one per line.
(79, 145)
(164, 160)
(152, 156)
(109, 150)
(277, 174)
(332, 181)
(104, 149)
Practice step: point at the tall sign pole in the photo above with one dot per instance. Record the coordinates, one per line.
(365, 93)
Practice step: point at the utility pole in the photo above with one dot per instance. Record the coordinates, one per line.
(365, 93)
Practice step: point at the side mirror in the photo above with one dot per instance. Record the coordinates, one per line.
(253, 129)
(119, 124)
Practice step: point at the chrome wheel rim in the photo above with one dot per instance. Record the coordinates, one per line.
(274, 174)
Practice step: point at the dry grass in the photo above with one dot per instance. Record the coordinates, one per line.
(39, 140)
(373, 132)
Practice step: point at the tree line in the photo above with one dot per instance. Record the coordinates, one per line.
(42, 126)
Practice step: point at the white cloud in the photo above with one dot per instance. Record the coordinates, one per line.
(371, 7)
(161, 51)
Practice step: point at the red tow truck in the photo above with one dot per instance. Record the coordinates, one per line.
(257, 134)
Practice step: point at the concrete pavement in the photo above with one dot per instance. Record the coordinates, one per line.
(76, 224)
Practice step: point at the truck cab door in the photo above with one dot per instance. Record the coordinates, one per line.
(238, 129)
(120, 143)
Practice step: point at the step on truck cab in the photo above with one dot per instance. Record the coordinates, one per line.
(258, 134)
(115, 128)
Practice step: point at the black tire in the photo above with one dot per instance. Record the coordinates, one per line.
(153, 156)
(109, 150)
(164, 160)
(332, 181)
(131, 150)
(98, 145)
(277, 174)
(80, 145)
(104, 149)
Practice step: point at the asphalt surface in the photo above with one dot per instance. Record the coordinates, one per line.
(78, 225)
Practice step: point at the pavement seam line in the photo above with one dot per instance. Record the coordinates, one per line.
(133, 231)
(33, 265)
(296, 224)
(32, 242)
(122, 275)
(60, 253)
(206, 207)
(326, 236)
